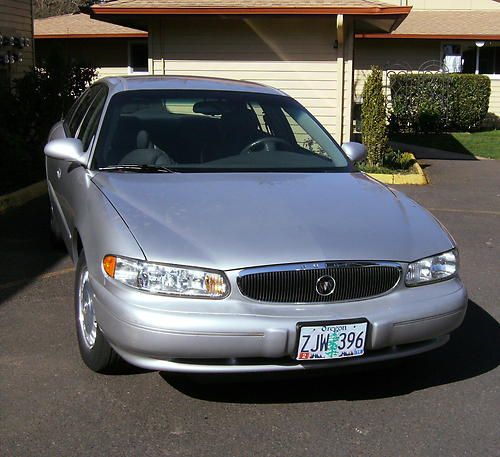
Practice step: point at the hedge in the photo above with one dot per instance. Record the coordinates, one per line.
(438, 102)
(374, 119)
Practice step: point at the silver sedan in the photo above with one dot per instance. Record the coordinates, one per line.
(216, 226)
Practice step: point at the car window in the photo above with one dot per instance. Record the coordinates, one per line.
(261, 117)
(302, 137)
(90, 123)
(206, 131)
(74, 122)
(72, 110)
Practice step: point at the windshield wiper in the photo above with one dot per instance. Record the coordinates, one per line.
(138, 168)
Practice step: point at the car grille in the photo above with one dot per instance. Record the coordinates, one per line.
(299, 283)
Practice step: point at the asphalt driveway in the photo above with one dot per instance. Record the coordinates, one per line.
(445, 403)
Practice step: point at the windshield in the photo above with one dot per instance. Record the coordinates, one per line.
(208, 131)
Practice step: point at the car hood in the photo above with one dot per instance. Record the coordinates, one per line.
(235, 220)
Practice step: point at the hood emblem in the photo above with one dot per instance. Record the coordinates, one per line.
(325, 285)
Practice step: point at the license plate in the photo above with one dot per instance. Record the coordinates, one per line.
(331, 341)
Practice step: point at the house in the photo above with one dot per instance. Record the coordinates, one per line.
(115, 50)
(459, 36)
(16, 34)
(318, 51)
(304, 47)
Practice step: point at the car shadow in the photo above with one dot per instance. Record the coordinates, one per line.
(472, 351)
(27, 252)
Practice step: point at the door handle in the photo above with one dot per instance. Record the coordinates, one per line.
(58, 173)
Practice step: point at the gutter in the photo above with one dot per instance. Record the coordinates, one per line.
(371, 11)
(416, 36)
(89, 35)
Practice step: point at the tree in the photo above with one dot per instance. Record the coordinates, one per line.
(374, 119)
(46, 8)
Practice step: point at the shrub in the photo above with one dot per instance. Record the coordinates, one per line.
(37, 102)
(399, 160)
(393, 162)
(374, 120)
(438, 102)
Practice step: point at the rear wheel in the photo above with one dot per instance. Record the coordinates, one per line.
(96, 352)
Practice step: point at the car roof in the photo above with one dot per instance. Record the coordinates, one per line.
(125, 83)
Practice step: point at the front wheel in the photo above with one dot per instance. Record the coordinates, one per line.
(96, 352)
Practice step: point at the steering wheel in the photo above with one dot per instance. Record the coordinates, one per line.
(267, 141)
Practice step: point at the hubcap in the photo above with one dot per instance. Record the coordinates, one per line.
(86, 311)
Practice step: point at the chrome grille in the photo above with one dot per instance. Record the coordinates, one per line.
(298, 283)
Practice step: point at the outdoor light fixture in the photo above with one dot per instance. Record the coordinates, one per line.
(479, 45)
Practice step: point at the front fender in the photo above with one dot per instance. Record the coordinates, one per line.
(101, 229)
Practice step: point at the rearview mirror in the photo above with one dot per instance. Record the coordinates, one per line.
(355, 151)
(70, 149)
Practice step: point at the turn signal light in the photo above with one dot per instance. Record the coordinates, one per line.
(109, 265)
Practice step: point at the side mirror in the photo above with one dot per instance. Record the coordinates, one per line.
(355, 151)
(70, 149)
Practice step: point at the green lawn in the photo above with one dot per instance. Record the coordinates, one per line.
(483, 144)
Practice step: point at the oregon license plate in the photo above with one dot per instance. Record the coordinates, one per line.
(331, 341)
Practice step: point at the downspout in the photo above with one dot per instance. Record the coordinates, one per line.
(339, 128)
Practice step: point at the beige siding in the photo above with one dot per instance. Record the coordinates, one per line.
(16, 20)
(495, 98)
(109, 55)
(296, 55)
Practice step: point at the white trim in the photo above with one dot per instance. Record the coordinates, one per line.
(130, 70)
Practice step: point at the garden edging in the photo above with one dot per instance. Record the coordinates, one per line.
(22, 196)
(416, 177)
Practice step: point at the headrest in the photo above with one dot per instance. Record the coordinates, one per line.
(142, 139)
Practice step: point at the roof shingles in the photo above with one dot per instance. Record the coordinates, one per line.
(81, 26)
(443, 24)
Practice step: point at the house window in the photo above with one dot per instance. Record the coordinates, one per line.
(453, 58)
(138, 57)
(470, 58)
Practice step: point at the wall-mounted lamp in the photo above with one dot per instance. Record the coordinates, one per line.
(479, 45)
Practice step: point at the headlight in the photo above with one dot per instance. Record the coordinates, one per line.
(432, 269)
(166, 279)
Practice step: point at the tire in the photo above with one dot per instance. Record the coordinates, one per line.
(95, 351)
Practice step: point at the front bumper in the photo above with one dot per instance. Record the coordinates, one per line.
(239, 335)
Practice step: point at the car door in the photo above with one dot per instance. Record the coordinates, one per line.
(67, 180)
